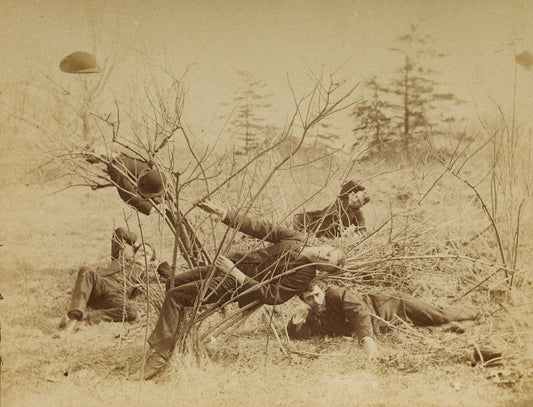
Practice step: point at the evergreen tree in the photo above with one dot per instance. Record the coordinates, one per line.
(248, 127)
(373, 125)
(416, 87)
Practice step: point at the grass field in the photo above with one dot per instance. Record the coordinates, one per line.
(47, 235)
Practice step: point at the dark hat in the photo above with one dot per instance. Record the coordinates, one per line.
(151, 183)
(164, 269)
(351, 186)
(79, 62)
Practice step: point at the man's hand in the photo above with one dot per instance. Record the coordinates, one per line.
(227, 266)
(212, 208)
(224, 264)
(300, 314)
(369, 345)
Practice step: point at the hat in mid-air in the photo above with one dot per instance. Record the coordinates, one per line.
(79, 62)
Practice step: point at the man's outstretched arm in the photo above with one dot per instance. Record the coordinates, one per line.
(256, 228)
(357, 315)
(253, 290)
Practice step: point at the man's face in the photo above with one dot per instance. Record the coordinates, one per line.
(329, 257)
(143, 251)
(316, 299)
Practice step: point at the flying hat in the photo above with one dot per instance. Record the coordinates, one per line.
(151, 183)
(79, 62)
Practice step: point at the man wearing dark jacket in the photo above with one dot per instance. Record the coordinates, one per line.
(108, 290)
(337, 311)
(150, 181)
(135, 180)
(341, 214)
(270, 275)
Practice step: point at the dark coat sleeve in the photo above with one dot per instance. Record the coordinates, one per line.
(355, 312)
(261, 229)
(305, 330)
(120, 237)
(277, 291)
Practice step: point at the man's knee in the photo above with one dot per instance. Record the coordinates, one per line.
(86, 271)
(184, 295)
(83, 269)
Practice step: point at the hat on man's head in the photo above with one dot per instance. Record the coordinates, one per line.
(151, 183)
(351, 186)
(79, 62)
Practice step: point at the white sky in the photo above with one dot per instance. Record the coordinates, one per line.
(273, 39)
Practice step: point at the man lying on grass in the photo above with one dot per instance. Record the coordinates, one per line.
(338, 311)
(108, 290)
(268, 275)
(331, 221)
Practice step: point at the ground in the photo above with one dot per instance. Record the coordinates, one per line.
(48, 233)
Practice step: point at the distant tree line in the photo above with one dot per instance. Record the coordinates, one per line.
(396, 118)
(393, 119)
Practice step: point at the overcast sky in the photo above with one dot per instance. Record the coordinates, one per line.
(275, 40)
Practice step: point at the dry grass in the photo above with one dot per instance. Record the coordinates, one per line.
(46, 238)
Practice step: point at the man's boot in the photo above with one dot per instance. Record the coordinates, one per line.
(155, 363)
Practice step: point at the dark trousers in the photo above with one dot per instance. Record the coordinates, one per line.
(420, 313)
(185, 293)
(104, 294)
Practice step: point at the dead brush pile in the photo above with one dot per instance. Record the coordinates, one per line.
(414, 255)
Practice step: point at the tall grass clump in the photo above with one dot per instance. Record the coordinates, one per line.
(496, 166)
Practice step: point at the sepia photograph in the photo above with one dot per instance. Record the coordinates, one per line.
(266, 203)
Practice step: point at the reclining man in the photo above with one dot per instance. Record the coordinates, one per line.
(333, 219)
(338, 311)
(270, 275)
(108, 290)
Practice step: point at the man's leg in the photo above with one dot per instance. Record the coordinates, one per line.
(88, 285)
(163, 337)
(423, 314)
(114, 306)
(195, 275)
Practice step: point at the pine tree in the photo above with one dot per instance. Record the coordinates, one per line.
(416, 87)
(373, 125)
(249, 126)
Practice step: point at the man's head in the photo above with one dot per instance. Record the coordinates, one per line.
(328, 257)
(315, 297)
(142, 251)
